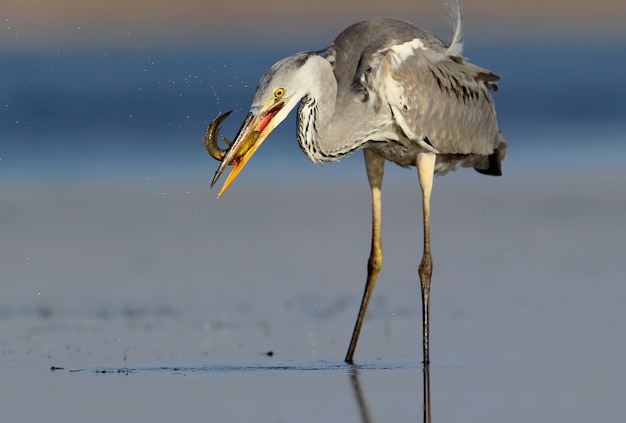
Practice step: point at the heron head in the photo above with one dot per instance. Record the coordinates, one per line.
(278, 92)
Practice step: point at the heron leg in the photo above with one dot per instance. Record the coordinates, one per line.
(426, 173)
(375, 166)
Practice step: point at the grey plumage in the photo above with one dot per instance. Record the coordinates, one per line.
(444, 103)
(396, 91)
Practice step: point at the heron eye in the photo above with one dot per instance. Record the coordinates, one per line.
(279, 92)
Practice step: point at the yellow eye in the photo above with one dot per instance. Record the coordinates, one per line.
(279, 92)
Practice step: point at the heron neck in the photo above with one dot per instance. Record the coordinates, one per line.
(321, 134)
(328, 116)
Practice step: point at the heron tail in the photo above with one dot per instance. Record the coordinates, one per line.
(455, 48)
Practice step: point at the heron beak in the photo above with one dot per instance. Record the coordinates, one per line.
(251, 135)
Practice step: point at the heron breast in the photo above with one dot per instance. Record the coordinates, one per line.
(403, 155)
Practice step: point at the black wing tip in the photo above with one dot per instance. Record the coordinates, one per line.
(494, 167)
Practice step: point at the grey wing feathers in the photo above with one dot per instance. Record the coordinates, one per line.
(443, 99)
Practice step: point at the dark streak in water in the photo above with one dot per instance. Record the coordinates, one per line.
(321, 366)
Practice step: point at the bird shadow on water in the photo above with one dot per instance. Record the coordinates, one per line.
(353, 372)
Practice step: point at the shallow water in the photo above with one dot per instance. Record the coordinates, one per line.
(159, 301)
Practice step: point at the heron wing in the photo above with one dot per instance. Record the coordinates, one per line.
(438, 100)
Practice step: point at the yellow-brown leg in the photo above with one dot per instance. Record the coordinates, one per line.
(426, 173)
(375, 165)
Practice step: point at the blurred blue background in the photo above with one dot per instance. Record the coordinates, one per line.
(87, 94)
(90, 107)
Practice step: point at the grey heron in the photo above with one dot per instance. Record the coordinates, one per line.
(395, 91)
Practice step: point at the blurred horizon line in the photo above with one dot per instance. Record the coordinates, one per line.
(73, 25)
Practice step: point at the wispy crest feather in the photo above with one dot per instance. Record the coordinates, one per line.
(455, 48)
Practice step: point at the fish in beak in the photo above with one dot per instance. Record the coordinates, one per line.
(254, 130)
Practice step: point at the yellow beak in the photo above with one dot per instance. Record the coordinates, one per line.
(253, 132)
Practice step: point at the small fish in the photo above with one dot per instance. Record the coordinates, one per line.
(210, 138)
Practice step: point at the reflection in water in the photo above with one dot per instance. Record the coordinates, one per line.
(360, 398)
(362, 402)
(426, 383)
